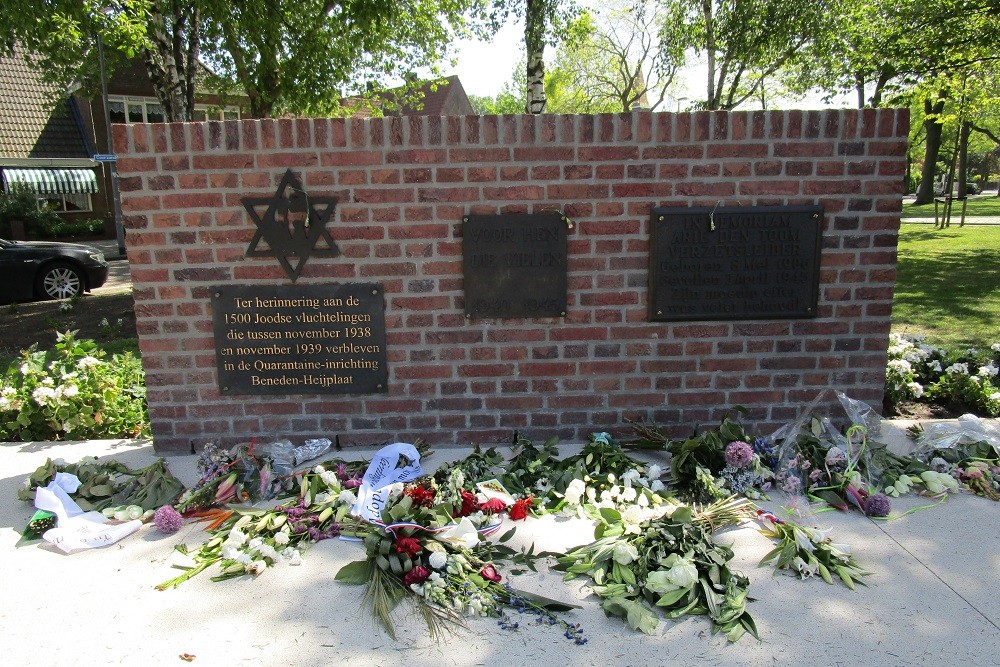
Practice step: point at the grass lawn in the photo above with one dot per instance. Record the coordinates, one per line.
(979, 205)
(948, 285)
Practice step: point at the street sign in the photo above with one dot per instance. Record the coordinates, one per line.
(104, 157)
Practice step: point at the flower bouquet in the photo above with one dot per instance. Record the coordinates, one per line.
(248, 541)
(429, 545)
(672, 565)
(714, 464)
(808, 552)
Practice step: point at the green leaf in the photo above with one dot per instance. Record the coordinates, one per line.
(611, 515)
(547, 603)
(635, 613)
(355, 573)
(668, 599)
(506, 536)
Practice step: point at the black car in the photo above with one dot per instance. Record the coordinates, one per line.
(32, 270)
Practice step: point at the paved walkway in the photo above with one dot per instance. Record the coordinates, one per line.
(933, 598)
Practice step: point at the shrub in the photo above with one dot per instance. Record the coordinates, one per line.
(967, 381)
(21, 203)
(72, 392)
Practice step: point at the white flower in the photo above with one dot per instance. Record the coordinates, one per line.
(628, 494)
(319, 470)
(805, 569)
(329, 478)
(236, 537)
(269, 552)
(43, 395)
(682, 573)
(8, 392)
(900, 366)
(653, 472)
(995, 347)
(625, 553)
(243, 558)
(633, 515)
(88, 361)
(462, 534)
(543, 485)
(631, 476)
(916, 389)
(255, 543)
(230, 552)
(25, 369)
(257, 567)
(321, 498)
(437, 559)
(347, 497)
(995, 396)
(957, 369)
(934, 366)
(657, 485)
(281, 538)
(989, 370)
(575, 491)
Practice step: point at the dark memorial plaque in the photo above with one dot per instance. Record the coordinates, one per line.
(515, 265)
(314, 339)
(735, 263)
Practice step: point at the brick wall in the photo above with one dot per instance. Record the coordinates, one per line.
(403, 186)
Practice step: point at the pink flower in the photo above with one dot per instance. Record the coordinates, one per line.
(739, 454)
(490, 573)
(167, 520)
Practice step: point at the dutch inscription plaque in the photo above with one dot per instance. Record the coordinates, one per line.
(515, 265)
(300, 340)
(734, 263)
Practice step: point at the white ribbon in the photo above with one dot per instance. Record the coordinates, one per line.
(383, 472)
(75, 529)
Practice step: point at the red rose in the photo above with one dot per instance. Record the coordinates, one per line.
(520, 509)
(417, 575)
(422, 497)
(409, 546)
(493, 506)
(489, 573)
(469, 504)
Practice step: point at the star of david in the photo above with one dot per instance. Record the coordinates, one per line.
(292, 226)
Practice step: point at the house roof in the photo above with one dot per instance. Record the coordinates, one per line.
(434, 97)
(30, 126)
(438, 97)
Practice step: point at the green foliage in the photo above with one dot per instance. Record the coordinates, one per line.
(72, 392)
(21, 203)
(296, 57)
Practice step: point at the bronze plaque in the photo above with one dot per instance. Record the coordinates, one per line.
(515, 265)
(315, 339)
(734, 263)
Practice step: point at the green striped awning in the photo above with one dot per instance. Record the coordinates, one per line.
(52, 181)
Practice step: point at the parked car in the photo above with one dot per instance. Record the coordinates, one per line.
(31, 270)
(972, 188)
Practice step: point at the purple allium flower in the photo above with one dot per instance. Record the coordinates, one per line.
(167, 519)
(877, 505)
(739, 454)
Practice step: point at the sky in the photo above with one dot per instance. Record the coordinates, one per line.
(484, 67)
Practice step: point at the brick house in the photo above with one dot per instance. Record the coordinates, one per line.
(50, 145)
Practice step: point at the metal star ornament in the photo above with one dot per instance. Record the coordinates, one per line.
(292, 226)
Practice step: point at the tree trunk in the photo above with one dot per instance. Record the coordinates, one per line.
(932, 147)
(963, 158)
(712, 101)
(167, 65)
(534, 43)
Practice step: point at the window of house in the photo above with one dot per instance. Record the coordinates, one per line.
(149, 110)
(72, 203)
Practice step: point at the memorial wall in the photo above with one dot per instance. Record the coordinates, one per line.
(459, 279)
